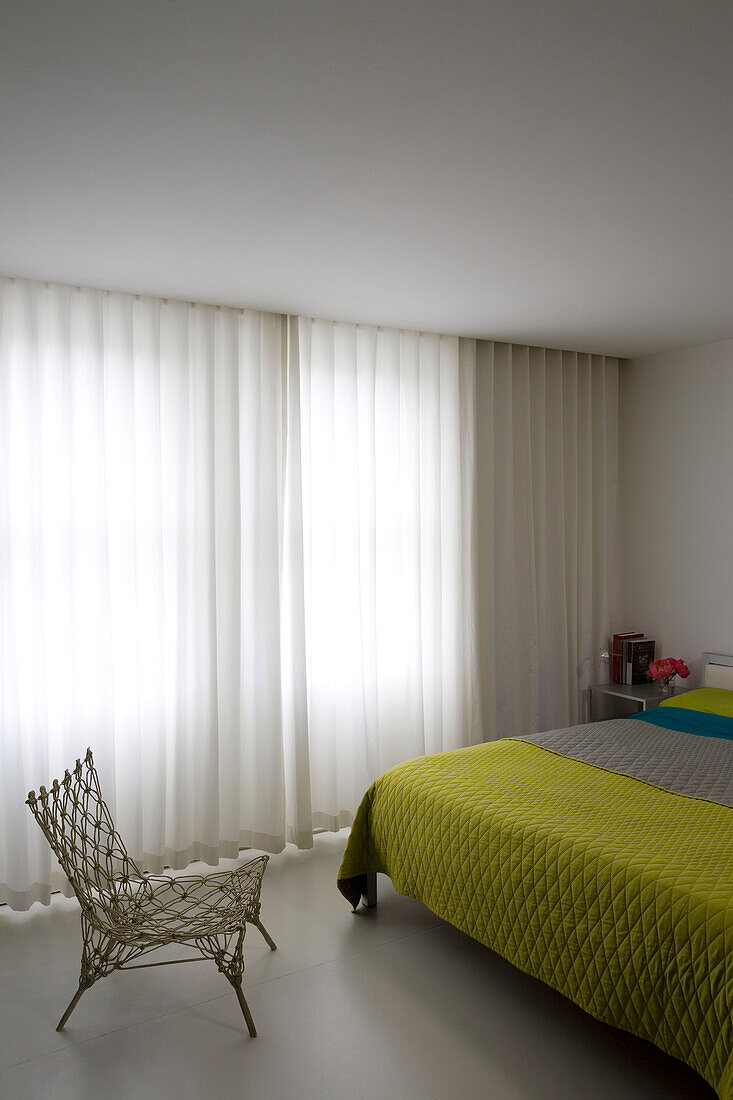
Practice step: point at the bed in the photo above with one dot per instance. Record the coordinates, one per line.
(598, 859)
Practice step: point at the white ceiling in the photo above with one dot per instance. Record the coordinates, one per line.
(557, 173)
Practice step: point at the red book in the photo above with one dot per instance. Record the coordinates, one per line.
(616, 648)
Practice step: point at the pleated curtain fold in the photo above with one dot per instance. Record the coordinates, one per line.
(547, 484)
(254, 560)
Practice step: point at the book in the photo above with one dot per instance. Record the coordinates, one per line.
(616, 648)
(640, 653)
(626, 658)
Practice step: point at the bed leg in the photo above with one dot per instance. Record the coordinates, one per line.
(369, 896)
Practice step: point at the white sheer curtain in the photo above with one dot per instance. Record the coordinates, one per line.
(388, 476)
(238, 560)
(547, 472)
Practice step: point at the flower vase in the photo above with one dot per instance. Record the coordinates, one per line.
(666, 686)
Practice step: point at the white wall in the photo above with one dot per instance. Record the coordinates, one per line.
(675, 558)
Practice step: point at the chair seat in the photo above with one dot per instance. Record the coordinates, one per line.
(165, 909)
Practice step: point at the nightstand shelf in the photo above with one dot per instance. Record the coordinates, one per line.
(621, 700)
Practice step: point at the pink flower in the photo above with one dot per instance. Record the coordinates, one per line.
(665, 667)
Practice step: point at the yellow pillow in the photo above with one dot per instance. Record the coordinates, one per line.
(709, 700)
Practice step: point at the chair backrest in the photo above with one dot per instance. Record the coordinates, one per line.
(78, 825)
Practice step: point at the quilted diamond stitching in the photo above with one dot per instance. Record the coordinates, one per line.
(616, 893)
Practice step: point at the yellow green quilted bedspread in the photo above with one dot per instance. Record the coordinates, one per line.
(617, 893)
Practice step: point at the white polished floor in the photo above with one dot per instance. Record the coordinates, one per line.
(388, 1003)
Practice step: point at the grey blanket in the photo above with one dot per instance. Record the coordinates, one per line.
(686, 763)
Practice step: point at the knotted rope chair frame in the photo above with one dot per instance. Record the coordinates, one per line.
(126, 913)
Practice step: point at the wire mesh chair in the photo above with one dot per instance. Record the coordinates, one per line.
(125, 912)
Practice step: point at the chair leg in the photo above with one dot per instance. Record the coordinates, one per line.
(266, 935)
(96, 962)
(72, 1005)
(245, 1008)
(228, 954)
